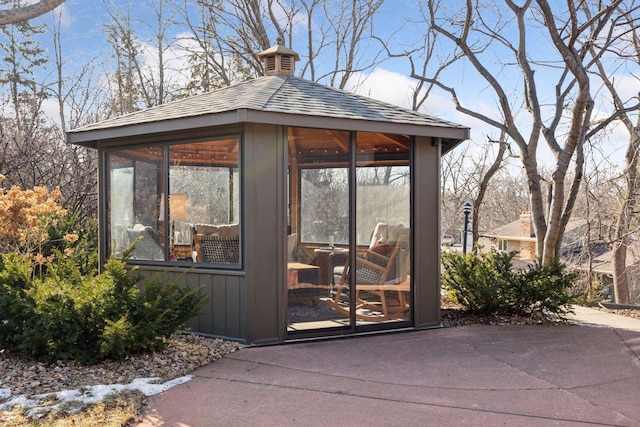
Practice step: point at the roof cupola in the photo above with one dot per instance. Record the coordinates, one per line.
(278, 59)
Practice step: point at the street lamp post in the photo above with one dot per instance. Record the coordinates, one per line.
(466, 210)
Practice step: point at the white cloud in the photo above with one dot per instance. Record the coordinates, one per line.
(384, 85)
(63, 13)
(628, 86)
(396, 88)
(175, 62)
(51, 110)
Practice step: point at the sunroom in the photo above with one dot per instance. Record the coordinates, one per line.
(300, 210)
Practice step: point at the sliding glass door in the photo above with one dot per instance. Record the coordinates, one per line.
(318, 229)
(383, 229)
(348, 261)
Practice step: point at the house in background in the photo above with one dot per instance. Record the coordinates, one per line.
(519, 236)
(599, 263)
(263, 194)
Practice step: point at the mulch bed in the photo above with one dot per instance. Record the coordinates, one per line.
(453, 315)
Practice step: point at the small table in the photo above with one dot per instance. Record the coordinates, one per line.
(182, 252)
(302, 282)
(327, 258)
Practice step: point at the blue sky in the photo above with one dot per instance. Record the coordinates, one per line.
(82, 38)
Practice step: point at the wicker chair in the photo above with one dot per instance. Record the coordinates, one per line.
(217, 249)
(382, 282)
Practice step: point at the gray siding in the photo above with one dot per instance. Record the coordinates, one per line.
(221, 315)
(426, 229)
(264, 227)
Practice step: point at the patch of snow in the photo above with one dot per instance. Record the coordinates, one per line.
(79, 398)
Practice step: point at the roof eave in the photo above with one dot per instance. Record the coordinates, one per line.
(450, 136)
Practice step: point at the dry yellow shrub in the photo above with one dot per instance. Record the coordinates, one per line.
(25, 216)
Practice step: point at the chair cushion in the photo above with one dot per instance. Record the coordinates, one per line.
(385, 233)
(231, 230)
(381, 248)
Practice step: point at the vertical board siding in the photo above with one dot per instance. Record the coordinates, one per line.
(221, 314)
(264, 227)
(426, 229)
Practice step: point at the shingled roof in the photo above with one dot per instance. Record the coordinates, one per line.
(276, 99)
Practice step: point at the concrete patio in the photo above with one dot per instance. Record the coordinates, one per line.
(584, 373)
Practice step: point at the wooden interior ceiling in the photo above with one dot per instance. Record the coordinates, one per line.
(223, 152)
(309, 143)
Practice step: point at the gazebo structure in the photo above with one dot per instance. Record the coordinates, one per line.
(269, 195)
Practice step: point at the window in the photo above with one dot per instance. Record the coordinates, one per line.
(382, 197)
(325, 205)
(196, 219)
(134, 194)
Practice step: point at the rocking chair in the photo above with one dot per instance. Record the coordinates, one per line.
(382, 282)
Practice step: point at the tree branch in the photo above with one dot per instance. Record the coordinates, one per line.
(20, 14)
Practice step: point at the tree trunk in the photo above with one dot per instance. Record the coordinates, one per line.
(626, 213)
(482, 190)
(20, 14)
(619, 261)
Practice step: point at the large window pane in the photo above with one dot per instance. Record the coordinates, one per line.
(382, 197)
(368, 279)
(198, 218)
(319, 227)
(325, 205)
(204, 202)
(134, 202)
(383, 221)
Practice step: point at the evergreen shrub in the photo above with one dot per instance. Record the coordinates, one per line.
(487, 284)
(59, 311)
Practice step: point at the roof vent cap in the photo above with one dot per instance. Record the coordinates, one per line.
(279, 59)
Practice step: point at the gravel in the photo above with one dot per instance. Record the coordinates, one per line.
(183, 354)
(633, 312)
(452, 316)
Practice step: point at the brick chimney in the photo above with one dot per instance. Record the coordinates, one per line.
(279, 59)
(527, 249)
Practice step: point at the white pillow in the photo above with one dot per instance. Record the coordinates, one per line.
(292, 243)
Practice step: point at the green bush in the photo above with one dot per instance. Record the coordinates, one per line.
(60, 311)
(487, 284)
(85, 248)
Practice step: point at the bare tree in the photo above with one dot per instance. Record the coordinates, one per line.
(77, 96)
(486, 174)
(22, 125)
(243, 27)
(601, 191)
(483, 33)
(623, 30)
(156, 78)
(141, 81)
(126, 93)
(25, 13)
(349, 24)
(212, 63)
(478, 174)
(230, 34)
